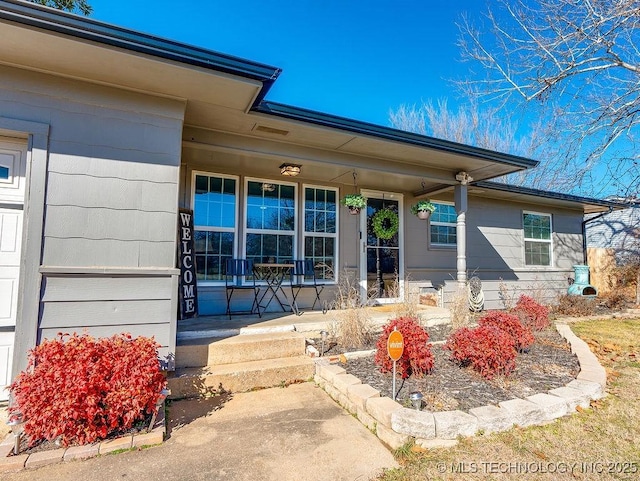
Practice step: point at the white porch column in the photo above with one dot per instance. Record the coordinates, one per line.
(461, 226)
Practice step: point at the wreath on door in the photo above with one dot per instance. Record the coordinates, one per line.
(385, 224)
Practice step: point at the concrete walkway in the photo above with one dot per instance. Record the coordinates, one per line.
(286, 434)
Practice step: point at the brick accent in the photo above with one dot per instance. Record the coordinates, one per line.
(44, 458)
(116, 444)
(81, 452)
(11, 464)
(148, 439)
(381, 408)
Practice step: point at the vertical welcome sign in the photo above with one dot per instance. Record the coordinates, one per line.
(188, 290)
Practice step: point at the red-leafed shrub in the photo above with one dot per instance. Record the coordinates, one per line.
(80, 389)
(487, 349)
(521, 334)
(417, 358)
(532, 314)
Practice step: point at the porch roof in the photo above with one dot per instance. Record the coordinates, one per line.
(526, 194)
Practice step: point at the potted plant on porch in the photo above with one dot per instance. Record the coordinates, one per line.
(354, 202)
(423, 209)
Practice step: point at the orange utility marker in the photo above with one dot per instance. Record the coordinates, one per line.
(395, 348)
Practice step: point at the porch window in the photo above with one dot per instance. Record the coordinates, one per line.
(442, 228)
(320, 229)
(214, 216)
(270, 221)
(4, 172)
(537, 239)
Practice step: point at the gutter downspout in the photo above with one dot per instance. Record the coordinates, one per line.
(584, 233)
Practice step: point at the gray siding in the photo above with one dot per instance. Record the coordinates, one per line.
(544, 288)
(103, 305)
(111, 203)
(495, 252)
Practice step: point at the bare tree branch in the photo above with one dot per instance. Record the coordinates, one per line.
(491, 129)
(573, 63)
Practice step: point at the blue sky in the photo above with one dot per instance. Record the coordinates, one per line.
(358, 59)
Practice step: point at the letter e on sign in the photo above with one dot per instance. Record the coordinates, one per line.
(395, 345)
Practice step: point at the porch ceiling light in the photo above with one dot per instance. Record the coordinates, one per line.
(290, 170)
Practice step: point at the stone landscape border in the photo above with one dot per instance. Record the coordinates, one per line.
(9, 463)
(395, 425)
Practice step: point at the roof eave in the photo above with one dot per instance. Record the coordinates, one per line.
(601, 205)
(387, 133)
(88, 29)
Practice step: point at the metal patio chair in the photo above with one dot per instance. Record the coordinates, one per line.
(235, 278)
(304, 270)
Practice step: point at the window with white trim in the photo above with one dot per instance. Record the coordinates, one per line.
(270, 221)
(442, 225)
(537, 239)
(214, 216)
(7, 161)
(320, 229)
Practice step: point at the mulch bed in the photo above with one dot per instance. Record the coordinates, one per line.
(548, 364)
(138, 428)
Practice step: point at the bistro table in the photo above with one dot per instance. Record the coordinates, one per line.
(273, 275)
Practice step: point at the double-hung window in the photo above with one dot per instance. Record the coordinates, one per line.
(270, 221)
(537, 239)
(214, 216)
(320, 229)
(442, 225)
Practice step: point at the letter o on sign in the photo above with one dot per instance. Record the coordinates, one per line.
(395, 345)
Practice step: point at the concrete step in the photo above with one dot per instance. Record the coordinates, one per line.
(244, 348)
(240, 377)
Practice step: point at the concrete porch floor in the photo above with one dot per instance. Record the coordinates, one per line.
(308, 321)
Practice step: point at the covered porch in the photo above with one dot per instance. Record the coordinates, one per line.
(266, 186)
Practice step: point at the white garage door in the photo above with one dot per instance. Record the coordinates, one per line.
(12, 180)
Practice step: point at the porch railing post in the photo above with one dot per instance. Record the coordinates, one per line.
(461, 226)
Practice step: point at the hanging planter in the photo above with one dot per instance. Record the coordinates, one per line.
(385, 224)
(423, 209)
(355, 202)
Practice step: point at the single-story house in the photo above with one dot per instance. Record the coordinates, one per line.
(106, 133)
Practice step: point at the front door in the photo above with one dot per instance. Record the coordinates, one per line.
(12, 169)
(382, 265)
